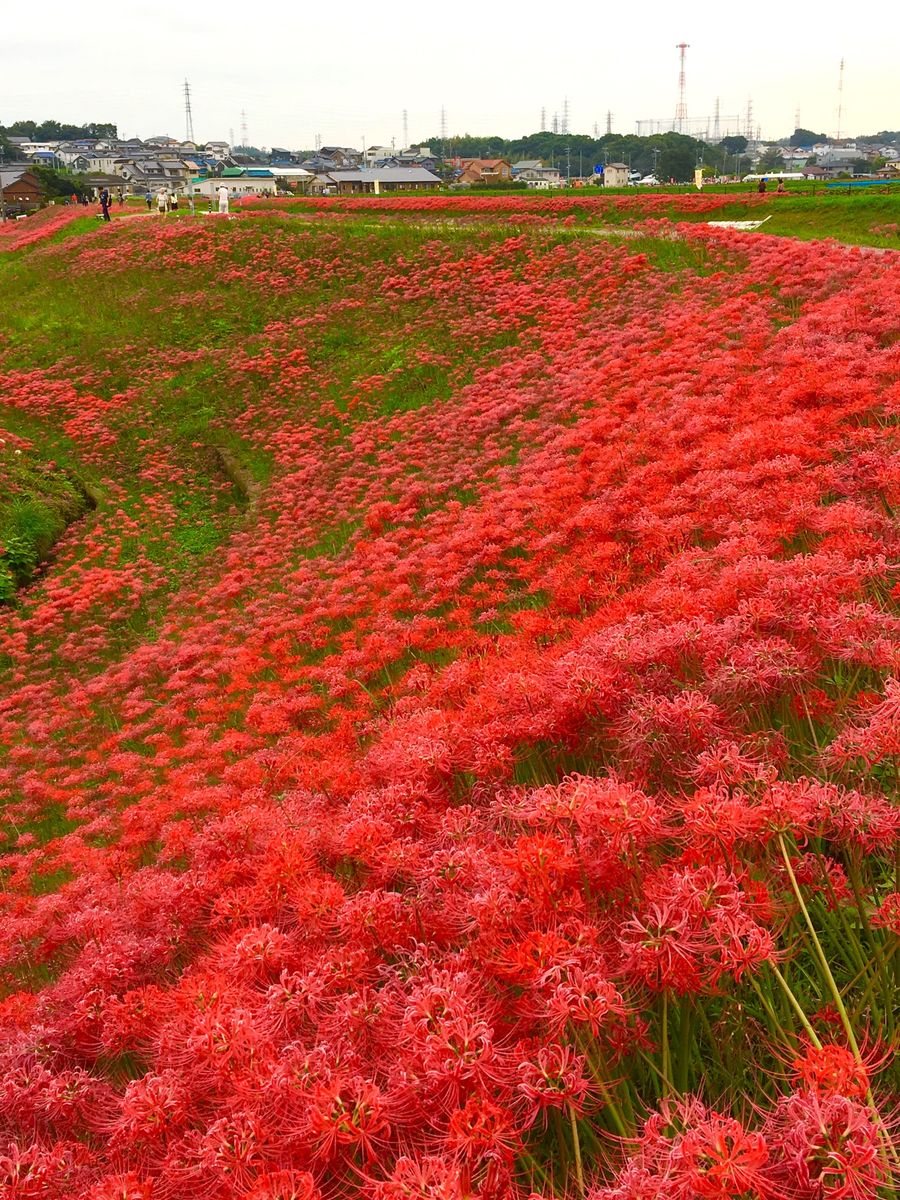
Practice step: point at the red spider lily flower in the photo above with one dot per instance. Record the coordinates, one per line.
(483, 1129)
(718, 1159)
(831, 1070)
(122, 1187)
(348, 1114)
(284, 1185)
(827, 1146)
(555, 1078)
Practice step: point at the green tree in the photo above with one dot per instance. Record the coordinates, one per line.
(805, 137)
(734, 144)
(9, 151)
(772, 160)
(677, 162)
(59, 183)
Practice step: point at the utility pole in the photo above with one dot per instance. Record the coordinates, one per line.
(2, 195)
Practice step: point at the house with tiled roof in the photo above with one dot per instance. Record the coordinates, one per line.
(483, 170)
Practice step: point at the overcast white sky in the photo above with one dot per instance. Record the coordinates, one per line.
(348, 69)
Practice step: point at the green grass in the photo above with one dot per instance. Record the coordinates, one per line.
(38, 500)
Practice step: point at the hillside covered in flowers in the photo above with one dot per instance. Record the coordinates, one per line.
(456, 753)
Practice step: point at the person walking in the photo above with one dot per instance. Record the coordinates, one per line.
(222, 192)
(162, 201)
(105, 202)
(149, 198)
(173, 202)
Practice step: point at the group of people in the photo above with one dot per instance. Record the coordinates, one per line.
(166, 201)
(764, 187)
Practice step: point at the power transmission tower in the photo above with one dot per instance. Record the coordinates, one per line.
(840, 112)
(717, 124)
(748, 127)
(555, 123)
(443, 133)
(681, 106)
(231, 138)
(405, 130)
(244, 141)
(565, 116)
(608, 121)
(188, 115)
(543, 120)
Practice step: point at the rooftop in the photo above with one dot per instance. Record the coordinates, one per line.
(385, 175)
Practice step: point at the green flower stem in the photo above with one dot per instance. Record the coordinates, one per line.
(576, 1143)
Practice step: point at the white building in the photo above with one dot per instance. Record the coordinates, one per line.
(540, 177)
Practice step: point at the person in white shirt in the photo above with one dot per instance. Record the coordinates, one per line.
(222, 192)
(162, 200)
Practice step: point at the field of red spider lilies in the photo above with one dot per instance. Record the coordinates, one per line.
(456, 754)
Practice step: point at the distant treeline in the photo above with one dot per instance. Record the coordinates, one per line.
(668, 155)
(55, 131)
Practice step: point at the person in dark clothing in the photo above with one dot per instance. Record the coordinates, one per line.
(105, 203)
(149, 198)
(762, 187)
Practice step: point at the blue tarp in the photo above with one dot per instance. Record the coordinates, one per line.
(842, 183)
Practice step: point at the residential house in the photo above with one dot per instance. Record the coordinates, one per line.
(340, 157)
(149, 173)
(483, 170)
(615, 175)
(377, 180)
(94, 162)
(22, 191)
(377, 154)
(540, 177)
(526, 164)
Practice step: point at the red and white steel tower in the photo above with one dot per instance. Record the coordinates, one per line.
(681, 106)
